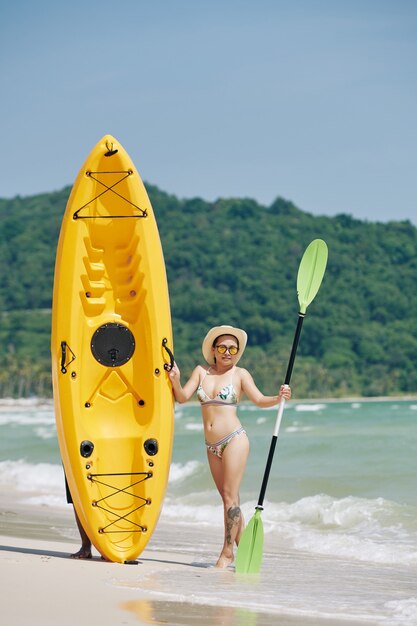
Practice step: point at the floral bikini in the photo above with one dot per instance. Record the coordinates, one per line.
(225, 397)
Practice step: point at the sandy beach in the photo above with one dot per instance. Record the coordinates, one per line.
(42, 585)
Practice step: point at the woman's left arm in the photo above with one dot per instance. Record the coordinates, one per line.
(256, 396)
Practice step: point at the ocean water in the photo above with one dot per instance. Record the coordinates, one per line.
(342, 494)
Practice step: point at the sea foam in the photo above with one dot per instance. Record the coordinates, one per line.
(32, 477)
(27, 418)
(313, 408)
(404, 611)
(375, 530)
(180, 471)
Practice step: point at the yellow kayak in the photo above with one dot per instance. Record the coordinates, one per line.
(111, 342)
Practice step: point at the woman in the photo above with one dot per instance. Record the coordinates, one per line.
(219, 388)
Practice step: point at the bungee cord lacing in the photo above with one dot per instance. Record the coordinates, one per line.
(127, 173)
(116, 490)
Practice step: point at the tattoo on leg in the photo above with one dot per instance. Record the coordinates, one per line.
(233, 519)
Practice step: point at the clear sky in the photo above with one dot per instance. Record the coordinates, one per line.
(314, 101)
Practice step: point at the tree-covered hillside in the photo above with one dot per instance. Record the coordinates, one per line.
(235, 261)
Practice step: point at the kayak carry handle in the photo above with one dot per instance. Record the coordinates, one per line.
(63, 356)
(64, 365)
(168, 366)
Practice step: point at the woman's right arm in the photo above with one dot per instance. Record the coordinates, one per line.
(182, 394)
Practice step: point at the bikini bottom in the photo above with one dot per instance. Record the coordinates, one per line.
(218, 448)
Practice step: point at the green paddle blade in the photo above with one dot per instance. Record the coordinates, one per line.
(311, 272)
(249, 552)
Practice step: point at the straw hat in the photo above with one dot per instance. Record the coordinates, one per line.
(217, 331)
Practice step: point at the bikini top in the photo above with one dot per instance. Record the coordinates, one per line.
(226, 396)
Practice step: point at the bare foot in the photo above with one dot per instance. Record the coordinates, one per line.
(83, 553)
(224, 561)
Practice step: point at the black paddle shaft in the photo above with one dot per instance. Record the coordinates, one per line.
(286, 382)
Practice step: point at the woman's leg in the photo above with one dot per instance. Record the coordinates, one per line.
(216, 468)
(233, 467)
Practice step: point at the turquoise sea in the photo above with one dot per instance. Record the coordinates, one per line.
(343, 487)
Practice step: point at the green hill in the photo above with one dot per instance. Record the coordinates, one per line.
(235, 261)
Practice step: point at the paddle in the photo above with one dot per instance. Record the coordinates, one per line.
(310, 275)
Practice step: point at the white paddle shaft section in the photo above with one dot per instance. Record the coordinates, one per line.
(279, 417)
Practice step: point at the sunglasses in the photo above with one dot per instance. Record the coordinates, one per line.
(222, 349)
